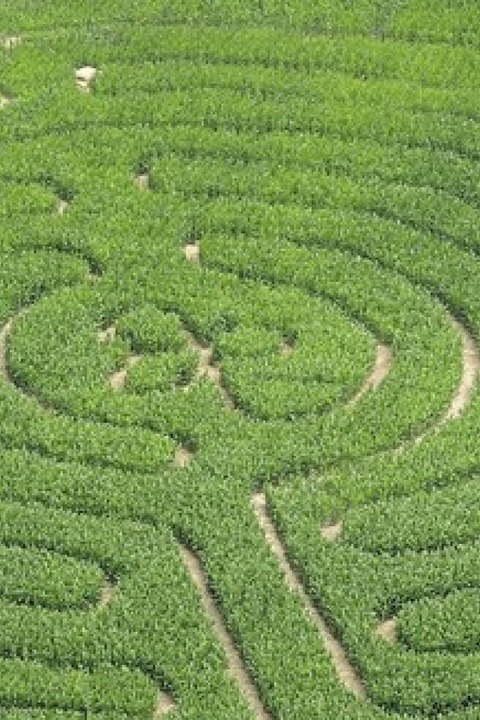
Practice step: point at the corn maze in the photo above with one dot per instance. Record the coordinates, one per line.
(239, 359)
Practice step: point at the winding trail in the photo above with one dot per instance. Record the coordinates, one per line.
(345, 670)
(235, 664)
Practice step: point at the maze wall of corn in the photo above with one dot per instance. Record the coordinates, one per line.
(239, 360)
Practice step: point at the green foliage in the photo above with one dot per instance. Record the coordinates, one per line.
(150, 331)
(324, 159)
(163, 372)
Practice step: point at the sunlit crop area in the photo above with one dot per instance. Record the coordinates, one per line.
(239, 360)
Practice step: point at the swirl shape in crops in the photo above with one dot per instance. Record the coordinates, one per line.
(239, 316)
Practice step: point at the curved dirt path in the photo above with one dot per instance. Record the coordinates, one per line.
(345, 670)
(235, 664)
(332, 531)
(379, 372)
(4, 335)
(465, 389)
(471, 370)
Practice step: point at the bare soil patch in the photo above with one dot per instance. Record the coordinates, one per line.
(192, 252)
(107, 335)
(118, 379)
(109, 591)
(165, 704)
(286, 349)
(183, 458)
(62, 207)
(331, 532)
(387, 630)
(142, 181)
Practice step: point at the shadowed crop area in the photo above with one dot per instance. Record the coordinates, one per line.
(239, 360)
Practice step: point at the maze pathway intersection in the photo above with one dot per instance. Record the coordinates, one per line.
(239, 410)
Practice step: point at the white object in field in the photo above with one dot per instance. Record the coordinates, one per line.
(192, 252)
(10, 42)
(143, 181)
(85, 75)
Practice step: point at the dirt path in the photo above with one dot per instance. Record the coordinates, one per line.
(471, 369)
(235, 664)
(118, 379)
(107, 335)
(207, 369)
(164, 705)
(381, 369)
(4, 334)
(109, 591)
(345, 671)
(465, 389)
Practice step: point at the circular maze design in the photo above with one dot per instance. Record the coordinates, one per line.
(239, 326)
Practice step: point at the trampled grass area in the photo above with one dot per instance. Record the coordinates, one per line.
(239, 332)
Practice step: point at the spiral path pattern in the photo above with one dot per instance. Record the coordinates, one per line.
(239, 360)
